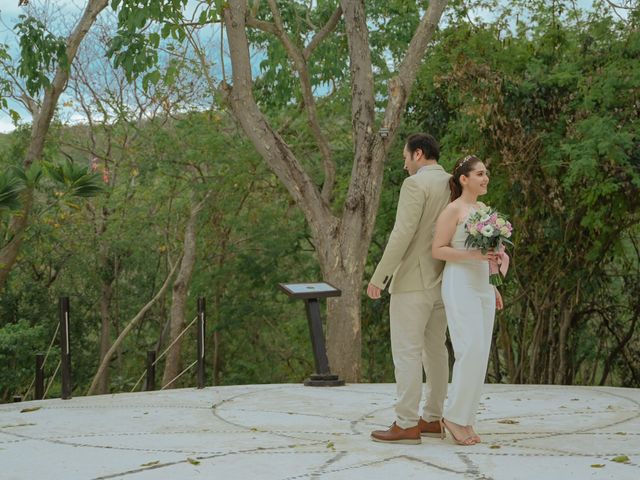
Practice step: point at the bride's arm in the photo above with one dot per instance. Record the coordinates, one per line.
(445, 228)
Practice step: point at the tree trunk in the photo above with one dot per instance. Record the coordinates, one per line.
(9, 252)
(105, 332)
(341, 243)
(216, 358)
(563, 372)
(106, 295)
(172, 365)
(344, 336)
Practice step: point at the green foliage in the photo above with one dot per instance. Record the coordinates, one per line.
(10, 187)
(5, 83)
(550, 106)
(40, 53)
(18, 341)
(277, 85)
(144, 27)
(550, 110)
(76, 180)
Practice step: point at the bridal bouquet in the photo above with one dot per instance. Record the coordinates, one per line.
(488, 230)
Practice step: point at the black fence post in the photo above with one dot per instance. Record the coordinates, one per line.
(39, 376)
(65, 365)
(201, 330)
(150, 382)
(17, 398)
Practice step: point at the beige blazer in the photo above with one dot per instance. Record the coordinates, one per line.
(407, 262)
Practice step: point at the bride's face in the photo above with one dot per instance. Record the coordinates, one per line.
(477, 180)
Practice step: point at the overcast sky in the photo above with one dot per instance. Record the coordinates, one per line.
(9, 12)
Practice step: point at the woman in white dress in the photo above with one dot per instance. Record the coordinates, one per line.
(469, 299)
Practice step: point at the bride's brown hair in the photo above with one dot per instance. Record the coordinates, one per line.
(463, 166)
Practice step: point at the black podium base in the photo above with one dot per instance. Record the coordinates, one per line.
(327, 380)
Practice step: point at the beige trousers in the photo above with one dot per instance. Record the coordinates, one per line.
(418, 333)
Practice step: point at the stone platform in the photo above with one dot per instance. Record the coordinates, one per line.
(288, 432)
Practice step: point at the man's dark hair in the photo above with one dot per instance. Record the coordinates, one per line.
(426, 143)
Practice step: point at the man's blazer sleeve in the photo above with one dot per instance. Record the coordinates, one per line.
(410, 209)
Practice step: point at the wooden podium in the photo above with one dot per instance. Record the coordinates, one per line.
(310, 293)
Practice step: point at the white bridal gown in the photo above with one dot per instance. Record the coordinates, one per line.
(470, 303)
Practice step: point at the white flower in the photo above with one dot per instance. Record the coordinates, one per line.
(487, 231)
(484, 218)
(501, 222)
(504, 231)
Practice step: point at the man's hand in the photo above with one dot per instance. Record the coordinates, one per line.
(373, 292)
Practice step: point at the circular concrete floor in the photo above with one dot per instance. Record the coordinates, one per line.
(288, 432)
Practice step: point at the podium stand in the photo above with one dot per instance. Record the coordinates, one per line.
(310, 293)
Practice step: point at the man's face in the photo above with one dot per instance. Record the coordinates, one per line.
(410, 160)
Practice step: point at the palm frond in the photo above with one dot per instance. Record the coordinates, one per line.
(10, 187)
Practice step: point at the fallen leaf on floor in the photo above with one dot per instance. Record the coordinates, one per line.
(18, 425)
(330, 445)
(193, 461)
(620, 459)
(621, 433)
(30, 409)
(575, 399)
(494, 446)
(508, 421)
(597, 465)
(150, 464)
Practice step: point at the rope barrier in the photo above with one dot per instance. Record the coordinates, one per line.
(44, 362)
(179, 375)
(53, 339)
(165, 352)
(53, 377)
(140, 379)
(30, 387)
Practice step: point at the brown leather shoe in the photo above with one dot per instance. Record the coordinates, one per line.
(430, 429)
(395, 434)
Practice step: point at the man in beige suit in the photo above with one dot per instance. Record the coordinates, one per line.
(418, 322)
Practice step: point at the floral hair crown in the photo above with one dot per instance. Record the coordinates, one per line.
(465, 160)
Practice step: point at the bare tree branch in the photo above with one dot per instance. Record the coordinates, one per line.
(329, 27)
(116, 344)
(268, 142)
(297, 56)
